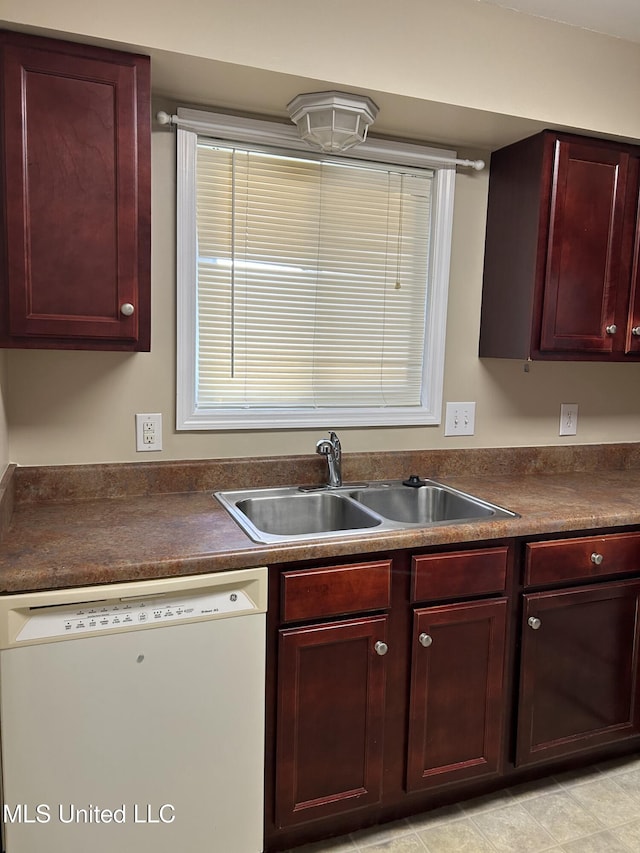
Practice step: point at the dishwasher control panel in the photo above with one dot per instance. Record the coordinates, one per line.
(129, 614)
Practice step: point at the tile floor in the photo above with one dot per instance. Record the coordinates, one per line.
(592, 811)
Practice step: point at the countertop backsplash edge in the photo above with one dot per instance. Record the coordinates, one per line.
(68, 483)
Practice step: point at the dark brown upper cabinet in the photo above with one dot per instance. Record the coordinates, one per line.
(75, 160)
(561, 270)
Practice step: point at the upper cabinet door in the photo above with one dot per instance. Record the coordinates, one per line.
(584, 248)
(632, 343)
(76, 152)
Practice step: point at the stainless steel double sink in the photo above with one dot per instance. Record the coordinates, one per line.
(292, 514)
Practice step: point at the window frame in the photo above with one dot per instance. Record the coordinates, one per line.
(194, 123)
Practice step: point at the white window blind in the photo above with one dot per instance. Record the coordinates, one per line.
(312, 290)
(312, 281)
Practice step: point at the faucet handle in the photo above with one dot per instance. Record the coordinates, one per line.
(335, 441)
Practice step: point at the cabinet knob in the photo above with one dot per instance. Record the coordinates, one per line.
(425, 640)
(534, 622)
(612, 329)
(127, 309)
(597, 558)
(635, 331)
(381, 648)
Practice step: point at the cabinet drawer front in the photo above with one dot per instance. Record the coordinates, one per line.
(334, 590)
(459, 573)
(583, 558)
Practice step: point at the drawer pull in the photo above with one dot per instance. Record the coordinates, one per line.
(381, 648)
(534, 622)
(597, 558)
(425, 640)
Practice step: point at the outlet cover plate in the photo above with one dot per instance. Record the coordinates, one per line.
(149, 431)
(568, 419)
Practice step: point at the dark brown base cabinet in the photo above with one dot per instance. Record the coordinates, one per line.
(377, 696)
(75, 234)
(407, 680)
(579, 685)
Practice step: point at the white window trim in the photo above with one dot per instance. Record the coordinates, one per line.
(221, 126)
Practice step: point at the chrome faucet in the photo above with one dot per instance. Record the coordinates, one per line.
(330, 447)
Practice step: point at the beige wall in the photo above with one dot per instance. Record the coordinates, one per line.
(74, 407)
(460, 52)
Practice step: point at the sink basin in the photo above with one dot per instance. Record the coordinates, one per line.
(291, 514)
(305, 513)
(423, 505)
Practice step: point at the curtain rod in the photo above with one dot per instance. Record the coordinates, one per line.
(292, 138)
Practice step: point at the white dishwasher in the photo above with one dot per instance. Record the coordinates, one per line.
(132, 716)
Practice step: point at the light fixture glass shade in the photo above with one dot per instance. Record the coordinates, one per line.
(332, 121)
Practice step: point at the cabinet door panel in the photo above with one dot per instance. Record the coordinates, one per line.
(585, 240)
(331, 684)
(579, 681)
(457, 694)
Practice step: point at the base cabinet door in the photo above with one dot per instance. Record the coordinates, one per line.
(579, 670)
(457, 695)
(331, 689)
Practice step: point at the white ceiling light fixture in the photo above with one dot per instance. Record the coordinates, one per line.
(332, 121)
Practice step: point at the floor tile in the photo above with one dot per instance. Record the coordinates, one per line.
(605, 800)
(406, 843)
(578, 777)
(562, 816)
(380, 834)
(459, 836)
(629, 781)
(629, 834)
(497, 800)
(601, 842)
(425, 820)
(512, 829)
(623, 764)
(536, 788)
(332, 845)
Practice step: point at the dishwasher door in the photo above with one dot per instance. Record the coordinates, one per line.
(132, 717)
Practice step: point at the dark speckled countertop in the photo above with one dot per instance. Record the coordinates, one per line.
(82, 525)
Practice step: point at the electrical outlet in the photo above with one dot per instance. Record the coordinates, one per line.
(460, 419)
(568, 419)
(149, 431)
